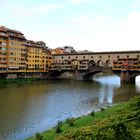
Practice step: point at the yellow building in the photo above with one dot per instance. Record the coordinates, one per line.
(37, 56)
(57, 51)
(12, 49)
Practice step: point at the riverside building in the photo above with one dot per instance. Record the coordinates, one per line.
(37, 56)
(12, 49)
(17, 54)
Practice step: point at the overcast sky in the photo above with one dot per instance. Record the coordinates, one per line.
(95, 25)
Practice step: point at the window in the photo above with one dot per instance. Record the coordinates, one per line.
(12, 48)
(11, 59)
(11, 53)
(83, 57)
(91, 56)
(11, 38)
(12, 44)
(3, 59)
(3, 43)
(4, 53)
(3, 38)
(2, 33)
(4, 49)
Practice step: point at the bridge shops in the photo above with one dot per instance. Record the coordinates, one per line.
(125, 64)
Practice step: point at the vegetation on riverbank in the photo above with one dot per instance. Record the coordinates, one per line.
(120, 122)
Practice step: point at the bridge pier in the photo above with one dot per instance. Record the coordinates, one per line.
(78, 75)
(126, 77)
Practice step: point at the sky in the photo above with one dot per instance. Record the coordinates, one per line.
(94, 25)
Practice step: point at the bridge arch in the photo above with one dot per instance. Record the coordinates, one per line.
(92, 63)
(100, 63)
(89, 75)
(108, 63)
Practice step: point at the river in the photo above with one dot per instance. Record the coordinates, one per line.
(28, 108)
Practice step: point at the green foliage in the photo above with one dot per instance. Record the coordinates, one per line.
(102, 109)
(58, 127)
(92, 113)
(39, 136)
(60, 123)
(70, 121)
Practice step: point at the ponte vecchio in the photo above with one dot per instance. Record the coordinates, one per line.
(82, 66)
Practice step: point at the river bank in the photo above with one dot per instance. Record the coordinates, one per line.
(20, 80)
(104, 124)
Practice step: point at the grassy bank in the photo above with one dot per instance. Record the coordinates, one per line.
(90, 126)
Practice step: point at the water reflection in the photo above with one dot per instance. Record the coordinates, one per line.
(29, 108)
(125, 92)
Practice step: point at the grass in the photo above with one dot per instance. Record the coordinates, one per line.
(80, 122)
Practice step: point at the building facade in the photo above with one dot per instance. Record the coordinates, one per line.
(12, 50)
(37, 56)
(19, 54)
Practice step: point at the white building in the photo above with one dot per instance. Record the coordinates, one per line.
(68, 49)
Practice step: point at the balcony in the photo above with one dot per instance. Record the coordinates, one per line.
(3, 34)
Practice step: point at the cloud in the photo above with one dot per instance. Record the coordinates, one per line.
(81, 1)
(3, 3)
(135, 4)
(22, 11)
(42, 9)
(105, 33)
(129, 30)
(91, 21)
(124, 35)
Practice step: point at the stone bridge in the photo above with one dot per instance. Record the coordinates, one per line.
(82, 66)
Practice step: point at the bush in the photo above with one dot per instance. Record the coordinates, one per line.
(70, 121)
(102, 109)
(58, 127)
(92, 113)
(39, 136)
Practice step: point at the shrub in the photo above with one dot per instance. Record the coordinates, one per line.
(58, 127)
(102, 109)
(92, 113)
(39, 136)
(70, 121)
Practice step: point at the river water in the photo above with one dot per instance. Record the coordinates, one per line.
(28, 108)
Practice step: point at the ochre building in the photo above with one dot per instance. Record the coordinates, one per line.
(22, 55)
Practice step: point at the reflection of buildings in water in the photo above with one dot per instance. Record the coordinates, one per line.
(125, 92)
(138, 83)
(106, 94)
